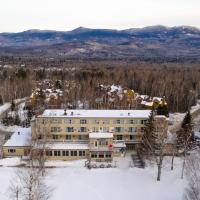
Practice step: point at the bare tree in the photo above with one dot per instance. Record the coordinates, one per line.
(29, 185)
(192, 192)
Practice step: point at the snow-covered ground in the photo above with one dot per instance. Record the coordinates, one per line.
(71, 180)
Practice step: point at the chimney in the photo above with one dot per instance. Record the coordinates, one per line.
(65, 112)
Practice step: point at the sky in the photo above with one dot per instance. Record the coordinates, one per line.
(20, 15)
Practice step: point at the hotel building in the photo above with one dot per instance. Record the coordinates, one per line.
(96, 135)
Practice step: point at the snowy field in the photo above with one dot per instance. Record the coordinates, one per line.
(71, 180)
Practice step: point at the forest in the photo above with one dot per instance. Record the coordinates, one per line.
(178, 82)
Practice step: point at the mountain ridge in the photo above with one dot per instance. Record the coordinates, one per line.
(152, 41)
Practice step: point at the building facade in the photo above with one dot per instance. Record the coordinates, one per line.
(97, 135)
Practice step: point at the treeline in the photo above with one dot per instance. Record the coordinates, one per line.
(178, 82)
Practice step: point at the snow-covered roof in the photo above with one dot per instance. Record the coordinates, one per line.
(21, 137)
(146, 103)
(100, 135)
(66, 145)
(197, 135)
(97, 113)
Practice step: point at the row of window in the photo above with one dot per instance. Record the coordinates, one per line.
(11, 150)
(97, 129)
(101, 142)
(97, 121)
(68, 137)
(65, 153)
(101, 155)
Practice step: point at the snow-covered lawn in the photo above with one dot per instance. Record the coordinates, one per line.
(71, 180)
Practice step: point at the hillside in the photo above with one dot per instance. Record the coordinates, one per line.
(148, 42)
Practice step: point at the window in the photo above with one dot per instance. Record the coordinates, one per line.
(55, 137)
(55, 129)
(69, 121)
(132, 137)
(95, 129)
(108, 155)
(73, 153)
(80, 137)
(101, 155)
(105, 129)
(65, 153)
(143, 121)
(95, 143)
(118, 121)
(119, 137)
(103, 143)
(95, 121)
(48, 153)
(132, 129)
(118, 129)
(69, 129)
(68, 137)
(56, 153)
(83, 129)
(133, 121)
(81, 153)
(56, 121)
(11, 150)
(106, 121)
(83, 121)
(94, 155)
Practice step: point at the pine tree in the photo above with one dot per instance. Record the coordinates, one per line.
(12, 106)
(149, 137)
(184, 135)
(163, 110)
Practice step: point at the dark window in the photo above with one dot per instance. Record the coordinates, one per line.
(94, 155)
(56, 153)
(48, 153)
(69, 129)
(118, 129)
(73, 153)
(68, 137)
(55, 137)
(101, 155)
(83, 121)
(65, 153)
(81, 153)
(119, 137)
(83, 129)
(11, 150)
(108, 155)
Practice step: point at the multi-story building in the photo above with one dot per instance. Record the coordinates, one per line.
(94, 134)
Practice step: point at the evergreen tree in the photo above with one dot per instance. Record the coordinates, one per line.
(149, 137)
(1, 100)
(17, 120)
(184, 135)
(163, 110)
(12, 106)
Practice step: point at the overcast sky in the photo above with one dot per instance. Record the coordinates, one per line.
(20, 15)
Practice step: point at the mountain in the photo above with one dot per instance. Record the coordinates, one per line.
(150, 42)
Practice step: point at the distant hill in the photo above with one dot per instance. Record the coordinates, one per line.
(148, 42)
